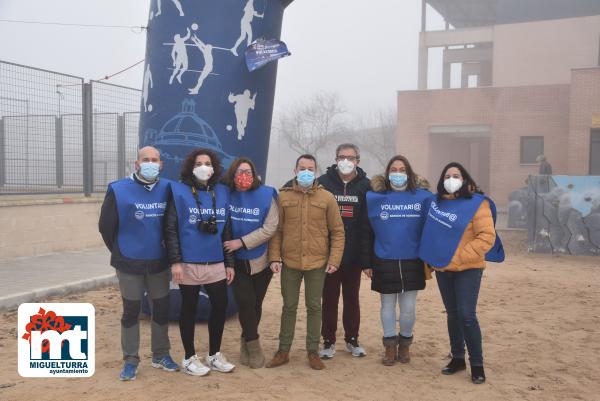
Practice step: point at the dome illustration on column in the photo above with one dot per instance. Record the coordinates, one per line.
(186, 130)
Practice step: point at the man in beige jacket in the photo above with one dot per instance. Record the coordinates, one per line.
(308, 244)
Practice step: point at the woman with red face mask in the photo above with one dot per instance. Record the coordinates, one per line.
(254, 219)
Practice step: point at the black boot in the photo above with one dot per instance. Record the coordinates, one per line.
(455, 365)
(477, 375)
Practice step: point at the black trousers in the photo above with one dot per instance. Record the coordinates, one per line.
(249, 291)
(217, 293)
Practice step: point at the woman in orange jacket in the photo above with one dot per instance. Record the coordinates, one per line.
(457, 238)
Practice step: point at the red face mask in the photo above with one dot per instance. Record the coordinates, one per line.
(243, 181)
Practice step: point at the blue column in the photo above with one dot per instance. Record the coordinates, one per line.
(197, 90)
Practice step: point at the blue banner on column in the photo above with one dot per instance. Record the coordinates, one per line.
(197, 90)
(262, 52)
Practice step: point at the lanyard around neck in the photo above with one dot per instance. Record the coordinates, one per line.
(199, 203)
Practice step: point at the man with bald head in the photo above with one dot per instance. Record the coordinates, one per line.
(131, 224)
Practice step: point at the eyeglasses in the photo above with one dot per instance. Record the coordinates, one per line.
(349, 158)
(243, 171)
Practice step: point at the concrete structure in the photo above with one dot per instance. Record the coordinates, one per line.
(36, 225)
(517, 78)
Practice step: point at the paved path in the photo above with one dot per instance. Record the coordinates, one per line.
(28, 279)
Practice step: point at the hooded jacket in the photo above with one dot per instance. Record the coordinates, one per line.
(350, 198)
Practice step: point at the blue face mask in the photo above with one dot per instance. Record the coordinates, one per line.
(149, 170)
(305, 178)
(398, 179)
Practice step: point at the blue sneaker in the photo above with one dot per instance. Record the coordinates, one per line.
(166, 362)
(129, 372)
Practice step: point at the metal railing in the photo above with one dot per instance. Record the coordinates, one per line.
(59, 134)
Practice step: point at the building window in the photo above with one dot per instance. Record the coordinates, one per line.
(473, 81)
(531, 148)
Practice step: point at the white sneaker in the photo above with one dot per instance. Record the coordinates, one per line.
(193, 366)
(328, 351)
(219, 363)
(355, 349)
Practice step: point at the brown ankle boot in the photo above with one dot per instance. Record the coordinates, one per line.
(390, 344)
(243, 352)
(315, 361)
(403, 353)
(256, 358)
(404, 349)
(279, 359)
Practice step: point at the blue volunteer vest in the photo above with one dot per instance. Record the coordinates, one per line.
(248, 211)
(445, 224)
(141, 213)
(197, 246)
(397, 219)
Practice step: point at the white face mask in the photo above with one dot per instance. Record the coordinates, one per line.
(345, 166)
(203, 173)
(451, 185)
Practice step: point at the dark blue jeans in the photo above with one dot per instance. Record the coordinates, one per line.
(459, 292)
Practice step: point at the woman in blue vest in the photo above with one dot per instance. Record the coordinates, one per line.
(254, 218)
(458, 237)
(196, 225)
(390, 243)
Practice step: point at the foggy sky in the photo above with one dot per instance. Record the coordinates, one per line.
(364, 50)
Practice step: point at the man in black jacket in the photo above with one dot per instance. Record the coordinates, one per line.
(131, 224)
(349, 184)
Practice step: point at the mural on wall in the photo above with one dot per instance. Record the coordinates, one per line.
(198, 91)
(563, 214)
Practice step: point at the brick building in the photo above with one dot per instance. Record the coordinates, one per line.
(519, 78)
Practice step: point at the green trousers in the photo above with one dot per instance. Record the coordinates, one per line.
(290, 291)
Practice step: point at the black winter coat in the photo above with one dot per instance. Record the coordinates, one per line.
(172, 234)
(351, 201)
(389, 276)
(393, 276)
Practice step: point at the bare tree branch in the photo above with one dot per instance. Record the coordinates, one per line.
(376, 135)
(308, 126)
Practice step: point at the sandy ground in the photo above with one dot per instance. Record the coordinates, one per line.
(540, 317)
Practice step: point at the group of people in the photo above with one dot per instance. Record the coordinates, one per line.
(212, 229)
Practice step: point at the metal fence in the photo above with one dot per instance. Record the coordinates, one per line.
(59, 134)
